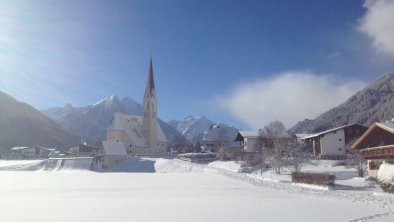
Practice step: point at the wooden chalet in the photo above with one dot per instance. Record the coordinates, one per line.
(377, 146)
(334, 143)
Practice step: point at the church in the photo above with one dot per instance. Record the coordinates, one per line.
(140, 135)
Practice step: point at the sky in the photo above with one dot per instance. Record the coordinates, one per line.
(241, 62)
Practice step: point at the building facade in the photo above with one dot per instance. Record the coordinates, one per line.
(377, 146)
(334, 142)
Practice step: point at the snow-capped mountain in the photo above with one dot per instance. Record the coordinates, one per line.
(193, 128)
(23, 125)
(91, 122)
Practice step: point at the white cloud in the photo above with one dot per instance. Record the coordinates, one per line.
(378, 24)
(288, 97)
(334, 55)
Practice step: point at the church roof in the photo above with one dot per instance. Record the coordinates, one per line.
(132, 125)
(150, 84)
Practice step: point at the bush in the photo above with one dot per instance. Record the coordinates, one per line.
(197, 157)
(313, 178)
(386, 177)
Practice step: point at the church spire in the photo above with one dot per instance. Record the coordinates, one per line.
(150, 84)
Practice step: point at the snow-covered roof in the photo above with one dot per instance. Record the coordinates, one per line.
(389, 124)
(302, 135)
(114, 148)
(258, 133)
(221, 133)
(25, 147)
(132, 125)
(249, 134)
(20, 148)
(329, 131)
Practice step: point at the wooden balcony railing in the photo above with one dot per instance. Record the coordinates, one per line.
(382, 152)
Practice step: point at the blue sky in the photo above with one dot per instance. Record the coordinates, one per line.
(243, 62)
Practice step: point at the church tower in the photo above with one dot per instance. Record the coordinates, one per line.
(149, 120)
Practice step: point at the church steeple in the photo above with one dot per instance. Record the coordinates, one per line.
(149, 120)
(150, 84)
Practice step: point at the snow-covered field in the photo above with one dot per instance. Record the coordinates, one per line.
(172, 190)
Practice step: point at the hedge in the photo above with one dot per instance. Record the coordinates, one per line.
(313, 178)
(197, 157)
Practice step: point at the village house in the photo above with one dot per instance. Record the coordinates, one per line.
(84, 150)
(221, 138)
(377, 146)
(141, 135)
(37, 152)
(333, 143)
(253, 143)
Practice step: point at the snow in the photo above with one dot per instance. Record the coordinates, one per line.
(158, 189)
(21, 165)
(7, 163)
(227, 165)
(386, 173)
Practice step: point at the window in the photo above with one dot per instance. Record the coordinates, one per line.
(340, 139)
(374, 165)
(339, 149)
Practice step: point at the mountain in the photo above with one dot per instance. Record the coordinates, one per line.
(192, 128)
(23, 125)
(373, 103)
(91, 122)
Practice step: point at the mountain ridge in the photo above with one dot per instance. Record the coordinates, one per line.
(193, 128)
(23, 125)
(372, 104)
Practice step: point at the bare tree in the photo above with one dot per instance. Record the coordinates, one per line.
(357, 161)
(274, 143)
(296, 155)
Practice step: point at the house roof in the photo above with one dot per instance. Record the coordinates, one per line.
(249, 134)
(387, 126)
(25, 147)
(331, 130)
(114, 148)
(221, 133)
(20, 148)
(255, 134)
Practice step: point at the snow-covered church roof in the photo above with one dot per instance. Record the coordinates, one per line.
(132, 125)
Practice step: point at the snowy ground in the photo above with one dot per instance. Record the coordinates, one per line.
(173, 190)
